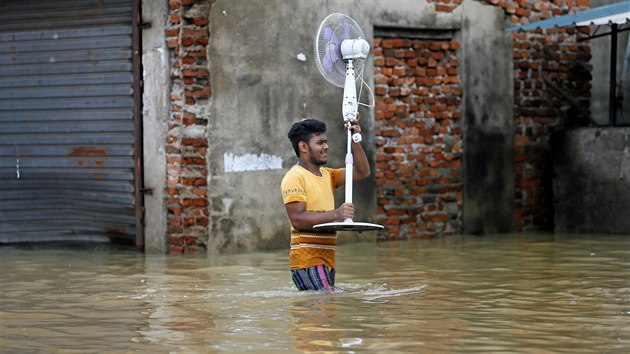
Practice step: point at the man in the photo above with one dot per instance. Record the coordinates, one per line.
(307, 192)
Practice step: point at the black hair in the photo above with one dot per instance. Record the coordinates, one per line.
(303, 131)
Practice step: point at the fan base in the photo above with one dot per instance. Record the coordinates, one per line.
(348, 226)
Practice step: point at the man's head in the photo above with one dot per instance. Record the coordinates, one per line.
(303, 131)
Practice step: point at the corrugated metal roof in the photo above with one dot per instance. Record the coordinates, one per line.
(618, 13)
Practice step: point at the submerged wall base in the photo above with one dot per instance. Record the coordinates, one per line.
(592, 180)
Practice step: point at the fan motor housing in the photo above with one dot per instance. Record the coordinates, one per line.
(355, 48)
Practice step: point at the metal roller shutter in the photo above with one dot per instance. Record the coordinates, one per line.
(67, 132)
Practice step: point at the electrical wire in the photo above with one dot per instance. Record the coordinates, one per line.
(361, 90)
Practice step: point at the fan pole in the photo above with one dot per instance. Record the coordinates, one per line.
(349, 171)
(350, 104)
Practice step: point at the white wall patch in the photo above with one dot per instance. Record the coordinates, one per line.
(250, 162)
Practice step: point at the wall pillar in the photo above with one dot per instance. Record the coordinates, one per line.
(486, 73)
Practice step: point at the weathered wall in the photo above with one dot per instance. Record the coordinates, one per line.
(236, 85)
(419, 130)
(259, 89)
(445, 156)
(486, 73)
(186, 144)
(274, 89)
(592, 180)
(154, 116)
(549, 67)
(419, 134)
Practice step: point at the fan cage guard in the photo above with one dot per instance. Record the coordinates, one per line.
(333, 30)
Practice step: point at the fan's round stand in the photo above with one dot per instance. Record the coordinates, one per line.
(348, 224)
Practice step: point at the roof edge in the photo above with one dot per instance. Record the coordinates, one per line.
(572, 19)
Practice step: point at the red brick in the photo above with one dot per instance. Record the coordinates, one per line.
(197, 202)
(194, 142)
(201, 21)
(173, 4)
(174, 19)
(175, 249)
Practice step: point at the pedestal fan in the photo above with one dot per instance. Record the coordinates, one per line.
(338, 43)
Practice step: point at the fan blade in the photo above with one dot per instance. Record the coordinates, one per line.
(330, 35)
(329, 63)
(333, 50)
(332, 60)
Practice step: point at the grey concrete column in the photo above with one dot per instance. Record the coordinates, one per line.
(155, 103)
(486, 72)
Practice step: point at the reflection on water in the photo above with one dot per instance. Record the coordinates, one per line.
(509, 293)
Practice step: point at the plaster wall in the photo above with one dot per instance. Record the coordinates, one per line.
(260, 88)
(488, 85)
(592, 180)
(155, 104)
(263, 78)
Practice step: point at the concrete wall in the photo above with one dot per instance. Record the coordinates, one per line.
(259, 89)
(592, 180)
(155, 103)
(486, 73)
(591, 168)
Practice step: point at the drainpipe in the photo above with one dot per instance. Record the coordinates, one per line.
(612, 95)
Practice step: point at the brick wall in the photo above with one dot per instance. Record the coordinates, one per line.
(543, 60)
(419, 138)
(418, 122)
(418, 130)
(445, 5)
(187, 36)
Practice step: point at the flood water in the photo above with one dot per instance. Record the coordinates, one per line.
(506, 293)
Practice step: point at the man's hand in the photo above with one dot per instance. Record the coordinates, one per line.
(354, 125)
(304, 220)
(345, 211)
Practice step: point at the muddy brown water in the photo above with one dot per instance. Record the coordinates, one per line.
(504, 293)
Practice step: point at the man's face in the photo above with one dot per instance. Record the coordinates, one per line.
(318, 149)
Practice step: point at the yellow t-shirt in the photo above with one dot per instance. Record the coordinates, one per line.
(309, 247)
